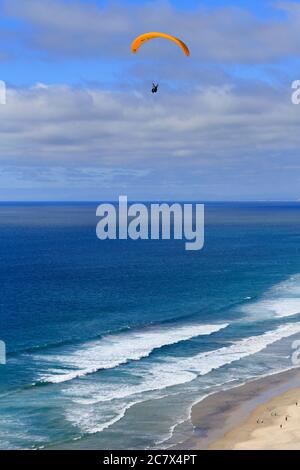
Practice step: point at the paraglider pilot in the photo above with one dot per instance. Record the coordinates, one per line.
(154, 88)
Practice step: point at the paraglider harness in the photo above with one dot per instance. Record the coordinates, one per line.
(154, 88)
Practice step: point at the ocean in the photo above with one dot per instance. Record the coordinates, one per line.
(110, 343)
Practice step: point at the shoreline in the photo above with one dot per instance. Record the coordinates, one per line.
(271, 426)
(225, 419)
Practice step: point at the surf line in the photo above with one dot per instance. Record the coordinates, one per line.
(152, 221)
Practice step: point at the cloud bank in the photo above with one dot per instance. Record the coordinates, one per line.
(209, 133)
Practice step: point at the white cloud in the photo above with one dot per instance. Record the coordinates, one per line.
(61, 125)
(83, 29)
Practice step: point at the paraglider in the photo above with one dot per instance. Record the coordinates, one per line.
(148, 36)
(140, 40)
(154, 88)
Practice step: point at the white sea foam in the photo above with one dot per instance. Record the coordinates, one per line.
(282, 300)
(206, 362)
(152, 380)
(86, 413)
(91, 422)
(280, 307)
(176, 371)
(114, 350)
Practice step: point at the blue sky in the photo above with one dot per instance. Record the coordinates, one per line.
(80, 121)
(26, 65)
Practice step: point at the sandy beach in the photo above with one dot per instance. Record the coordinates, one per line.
(275, 425)
(261, 415)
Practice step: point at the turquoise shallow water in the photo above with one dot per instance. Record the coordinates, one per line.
(110, 343)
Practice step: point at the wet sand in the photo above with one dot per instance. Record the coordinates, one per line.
(250, 416)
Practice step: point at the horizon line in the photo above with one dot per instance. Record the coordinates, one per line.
(203, 201)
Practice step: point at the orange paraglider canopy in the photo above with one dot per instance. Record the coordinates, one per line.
(140, 40)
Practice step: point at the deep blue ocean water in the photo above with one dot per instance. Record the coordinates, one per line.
(110, 343)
